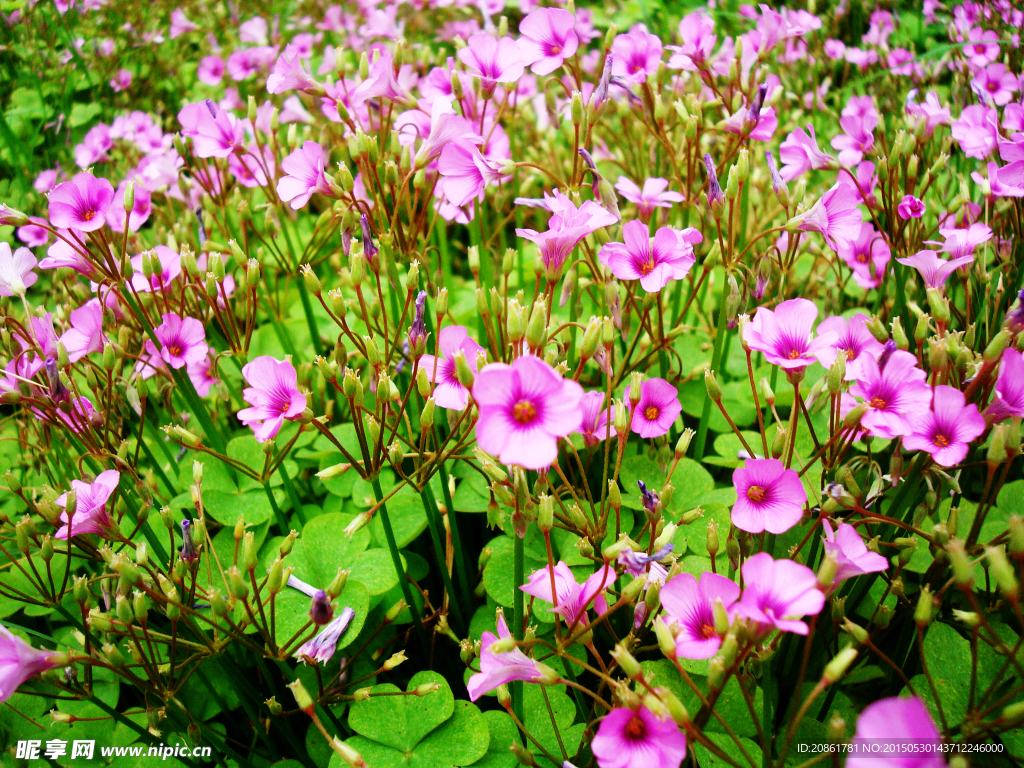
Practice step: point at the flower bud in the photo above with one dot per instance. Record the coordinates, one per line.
(836, 668)
(630, 666)
(711, 384)
(1002, 573)
(925, 610)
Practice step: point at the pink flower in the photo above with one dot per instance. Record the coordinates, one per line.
(45, 181)
(466, 173)
(769, 497)
(595, 424)
(867, 256)
(851, 337)
(983, 46)
(501, 668)
(904, 720)
(910, 207)
(34, 234)
(274, 396)
(689, 607)
(547, 39)
(628, 739)
(835, 215)
(182, 341)
(86, 333)
(214, 131)
(493, 61)
(81, 203)
(1008, 399)
(934, 270)
(852, 556)
(44, 335)
(977, 130)
(777, 592)
(19, 661)
(947, 428)
(696, 32)
(289, 75)
(654, 264)
(892, 393)
(305, 169)
(210, 70)
(16, 273)
(961, 242)
(566, 228)
(855, 140)
(180, 24)
(381, 83)
(653, 195)
(169, 263)
(996, 83)
(142, 207)
(449, 392)
(524, 408)
(573, 598)
(835, 49)
(799, 153)
(94, 146)
(784, 336)
(121, 80)
(636, 55)
(929, 110)
(1002, 182)
(657, 410)
(91, 514)
(202, 376)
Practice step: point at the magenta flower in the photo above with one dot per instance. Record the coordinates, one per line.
(547, 39)
(321, 648)
(769, 497)
(573, 598)
(381, 82)
(777, 593)
(1002, 182)
(892, 393)
(19, 661)
(16, 273)
(274, 396)
(290, 75)
(935, 270)
(501, 668)
(121, 80)
(657, 410)
(493, 61)
(85, 335)
(305, 169)
(635, 55)
(449, 392)
(595, 424)
(855, 140)
(961, 242)
(180, 24)
(946, 429)
(654, 264)
(800, 153)
(214, 131)
(977, 131)
(628, 739)
(697, 34)
(90, 514)
(524, 408)
(910, 207)
(930, 111)
(1008, 400)
(44, 335)
(466, 173)
(868, 256)
(784, 336)
(996, 83)
(835, 215)
(182, 341)
(852, 556)
(851, 337)
(210, 70)
(34, 233)
(903, 720)
(81, 203)
(566, 228)
(201, 375)
(689, 607)
(654, 194)
(170, 267)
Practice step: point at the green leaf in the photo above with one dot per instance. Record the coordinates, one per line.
(503, 734)
(539, 720)
(408, 520)
(376, 570)
(324, 547)
(461, 740)
(472, 494)
(949, 662)
(81, 114)
(708, 759)
(401, 722)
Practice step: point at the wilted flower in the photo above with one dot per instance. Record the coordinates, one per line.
(321, 648)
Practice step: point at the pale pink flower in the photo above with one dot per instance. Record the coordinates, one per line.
(122, 80)
(467, 173)
(85, 335)
(210, 70)
(566, 228)
(449, 392)
(835, 215)
(996, 83)
(573, 598)
(868, 256)
(935, 270)
(180, 24)
(977, 131)
(852, 556)
(501, 668)
(636, 55)
(654, 263)
(16, 273)
(655, 194)
(305, 175)
(493, 61)
(91, 515)
(851, 337)
(696, 32)
(214, 131)
(799, 153)
(547, 39)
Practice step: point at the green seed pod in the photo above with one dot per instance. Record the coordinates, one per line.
(836, 669)
(236, 584)
(925, 610)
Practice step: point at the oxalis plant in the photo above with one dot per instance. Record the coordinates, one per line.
(437, 384)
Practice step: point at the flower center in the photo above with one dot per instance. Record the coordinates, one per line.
(555, 50)
(877, 403)
(524, 412)
(635, 728)
(862, 258)
(755, 493)
(651, 412)
(794, 354)
(707, 631)
(174, 350)
(941, 440)
(88, 215)
(647, 267)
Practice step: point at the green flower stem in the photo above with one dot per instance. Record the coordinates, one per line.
(282, 521)
(307, 308)
(396, 557)
(289, 488)
(518, 606)
(433, 521)
(716, 363)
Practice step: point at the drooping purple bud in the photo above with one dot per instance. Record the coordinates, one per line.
(321, 648)
(651, 500)
(592, 167)
(210, 105)
(202, 229)
(601, 91)
(57, 389)
(370, 249)
(418, 330)
(320, 610)
(715, 196)
(346, 242)
(890, 347)
(1015, 317)
(777, 181)
(758, 103)
(188, 552)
